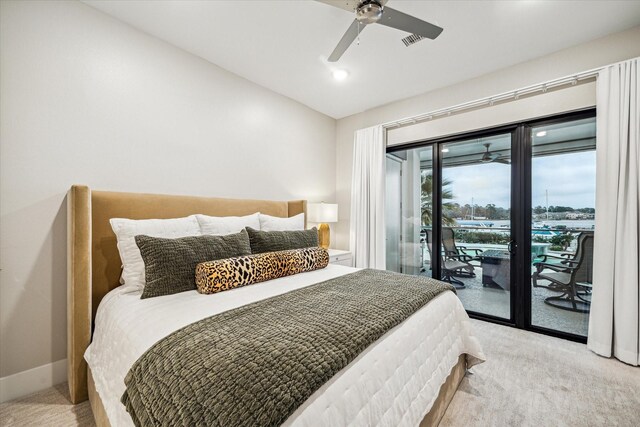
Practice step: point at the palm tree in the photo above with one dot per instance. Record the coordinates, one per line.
(427, 202)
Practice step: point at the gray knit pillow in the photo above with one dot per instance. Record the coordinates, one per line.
(273, 241)
(170, 264)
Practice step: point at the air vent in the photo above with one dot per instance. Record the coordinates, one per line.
(412, 39)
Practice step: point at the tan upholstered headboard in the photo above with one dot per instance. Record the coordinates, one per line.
(93, 259)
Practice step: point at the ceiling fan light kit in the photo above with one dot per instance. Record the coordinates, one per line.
(376, 12)
(369, 11)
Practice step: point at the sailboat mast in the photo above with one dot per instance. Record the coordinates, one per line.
(473, 210)
(546, 195)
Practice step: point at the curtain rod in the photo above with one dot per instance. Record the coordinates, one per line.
(572, 79)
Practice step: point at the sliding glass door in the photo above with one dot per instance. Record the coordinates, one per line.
(563, 178)
(505, 215)
(475, 225)
(448, 213)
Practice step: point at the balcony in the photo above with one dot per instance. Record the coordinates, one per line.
(481, 272)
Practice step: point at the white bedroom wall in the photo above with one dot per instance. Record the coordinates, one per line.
(86, 99)
(610, 49)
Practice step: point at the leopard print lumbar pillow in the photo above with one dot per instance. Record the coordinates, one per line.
(223, 274)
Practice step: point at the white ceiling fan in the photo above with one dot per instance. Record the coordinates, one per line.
(375, 12)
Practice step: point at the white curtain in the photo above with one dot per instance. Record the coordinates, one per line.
(367, 236)
(614, 322)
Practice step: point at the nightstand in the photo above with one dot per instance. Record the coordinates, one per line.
(339, 257)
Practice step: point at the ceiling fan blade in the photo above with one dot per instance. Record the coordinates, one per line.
(346, 40)
(503, 161)
(401, 21)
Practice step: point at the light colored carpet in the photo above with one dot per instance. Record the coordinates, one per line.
(528, 380)
(50, 407)
(535, 380)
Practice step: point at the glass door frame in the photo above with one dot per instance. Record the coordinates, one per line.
(526, 207)
(520, 215)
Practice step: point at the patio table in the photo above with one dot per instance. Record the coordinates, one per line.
(495, 265)
(495, 268)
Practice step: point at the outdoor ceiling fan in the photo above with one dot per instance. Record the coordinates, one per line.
(375, 12)
(489, 157)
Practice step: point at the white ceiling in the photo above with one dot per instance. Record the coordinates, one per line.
(283, 45)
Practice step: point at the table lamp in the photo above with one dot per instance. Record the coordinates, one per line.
(323, 213)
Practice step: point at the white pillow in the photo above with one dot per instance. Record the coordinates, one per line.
(127, 229)
(221, 225)
(276, 223)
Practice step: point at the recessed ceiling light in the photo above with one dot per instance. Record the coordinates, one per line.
(541, 133)
(340, 74)
(445, 150)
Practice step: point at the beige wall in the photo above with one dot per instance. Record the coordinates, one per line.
(614, 48)
(87, 99)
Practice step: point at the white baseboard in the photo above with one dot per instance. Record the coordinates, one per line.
(32, 380)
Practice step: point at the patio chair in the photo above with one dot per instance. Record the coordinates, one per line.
(450, 266)
(456, 253)
(570, 275)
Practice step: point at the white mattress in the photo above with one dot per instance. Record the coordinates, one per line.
(394, 382)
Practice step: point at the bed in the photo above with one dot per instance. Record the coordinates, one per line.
(407, 377)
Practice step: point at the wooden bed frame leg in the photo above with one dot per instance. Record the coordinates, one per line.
(78, 289)
(447, 391)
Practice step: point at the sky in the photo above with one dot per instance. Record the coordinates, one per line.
(569, 178)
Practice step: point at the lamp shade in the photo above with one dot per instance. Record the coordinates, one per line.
(322, 212)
